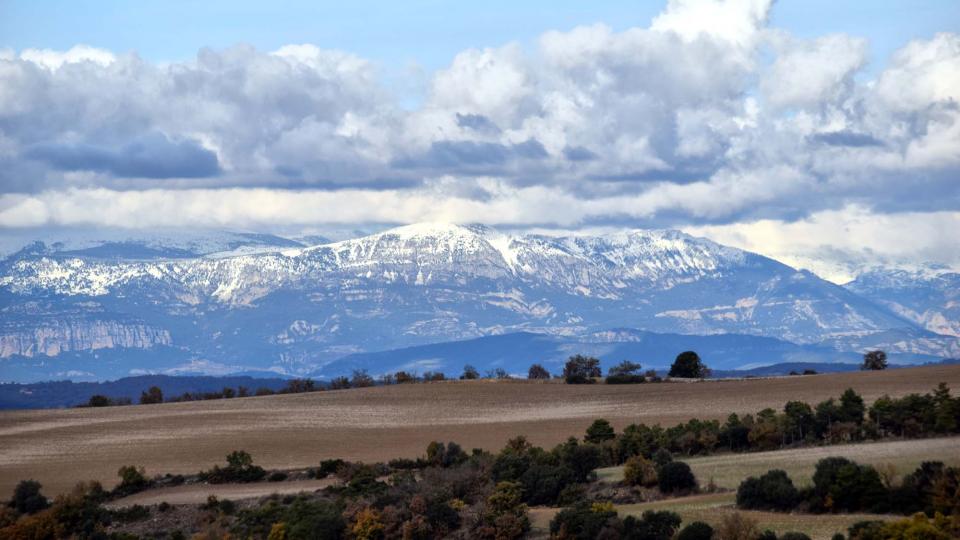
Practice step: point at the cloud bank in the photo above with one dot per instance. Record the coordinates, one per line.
(709, 118)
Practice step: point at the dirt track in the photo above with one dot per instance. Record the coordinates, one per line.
(198, 493)
(61, 447)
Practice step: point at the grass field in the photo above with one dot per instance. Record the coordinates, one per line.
(712, 508)
(728, 470)
(61, 447)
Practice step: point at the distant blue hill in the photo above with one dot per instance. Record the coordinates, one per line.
(515, 353)
(68, 394)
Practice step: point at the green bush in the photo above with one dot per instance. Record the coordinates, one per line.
(581, 369)
(240, 468)
(697, 530)
(27, 498)
(600, 430)
(583, 521)
(772, 491)
(676, 477)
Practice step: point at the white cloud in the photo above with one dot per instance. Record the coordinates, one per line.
(836, 244)
(51, 59)
(708, 117)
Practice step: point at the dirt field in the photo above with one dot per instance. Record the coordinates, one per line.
(61, 447)
(198, 493)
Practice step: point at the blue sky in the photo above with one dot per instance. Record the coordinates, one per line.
(397, 34)
(823, 133)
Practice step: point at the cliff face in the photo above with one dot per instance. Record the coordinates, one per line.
(50, 338)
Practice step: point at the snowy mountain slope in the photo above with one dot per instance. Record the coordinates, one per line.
(294, 309)
(930, 298)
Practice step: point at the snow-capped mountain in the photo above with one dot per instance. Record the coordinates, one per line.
(293, 309)
(930, 298)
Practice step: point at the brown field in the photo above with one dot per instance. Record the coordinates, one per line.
(61, 447)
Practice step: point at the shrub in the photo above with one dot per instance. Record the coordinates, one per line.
(151, 396)
(27, 498)
(330, 466)
(840, 485)
(361, 379)
(581, 369)
(736, 526)
(697, 530)
(676, 477)
(277, 476)
(299, 386)
(661, 457)
(470, 373)
(340, 383)
(99, 400)
(625, 372)
(440, 455)
(772, 491)
(582, 521)
(688, 365)
(240, 468)
(538, 372)
(600, 430)
(131, 513)
(794, 536)
(434, 376)
(874, 360)
(132, 480)
(402, 377)
(653, 526)
(638, 471)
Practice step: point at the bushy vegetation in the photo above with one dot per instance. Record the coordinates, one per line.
(581, 369)
(538, 372)
(625, 372)
(240, 468)
(842, 485)
(688, 365)
(586, 521)
(917, 527)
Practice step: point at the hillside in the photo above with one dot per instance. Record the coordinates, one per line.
(61, 447)
(293, 310)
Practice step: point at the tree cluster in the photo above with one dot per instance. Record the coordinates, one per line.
(842, 485)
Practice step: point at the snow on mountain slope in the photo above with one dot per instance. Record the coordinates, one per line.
(930, 298)
(293, 309)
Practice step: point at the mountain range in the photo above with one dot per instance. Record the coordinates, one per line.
(252, 303)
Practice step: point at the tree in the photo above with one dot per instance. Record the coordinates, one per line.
(151, 396)
(99, 400)
(697, 530)
(27, 498)
(470, 373)
(772, 491)
(340, 383)
(581, 369)
(689, 366)
(361, 379)
(538, 372)
(639, 471)
(132, 479)
(676, 476)
(874, 360)
(625, 372)
(600, 430)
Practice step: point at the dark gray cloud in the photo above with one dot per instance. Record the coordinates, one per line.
(477, 122)
(150, 156)
(847, 138)
(578, 153)
(461, 156)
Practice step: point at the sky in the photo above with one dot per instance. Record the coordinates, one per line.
(823, 133)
